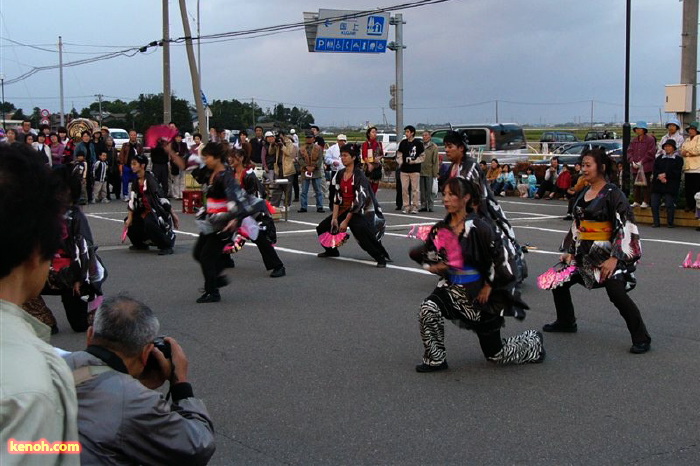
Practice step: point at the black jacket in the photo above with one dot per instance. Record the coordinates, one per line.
(673, 167)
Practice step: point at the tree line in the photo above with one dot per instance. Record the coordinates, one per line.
(147, 110)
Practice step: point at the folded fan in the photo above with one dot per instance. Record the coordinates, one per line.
(556, 276)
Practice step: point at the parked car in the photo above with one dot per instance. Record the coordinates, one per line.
(571, 153)
(556, 139)
(389, 144)
(595, 135)
(120, 136)
(505, 138)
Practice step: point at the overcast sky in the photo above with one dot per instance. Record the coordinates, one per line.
(543, 60)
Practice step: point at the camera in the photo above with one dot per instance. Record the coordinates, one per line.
(163, 346)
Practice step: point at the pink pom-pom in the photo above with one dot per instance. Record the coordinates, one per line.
(420, 232)
(688, 262)
(554, 277)
(696, 264)
(126, 230)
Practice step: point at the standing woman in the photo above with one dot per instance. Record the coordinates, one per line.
(603, 244)
(355, 207)
(372, 153)
(690, 151)
(641, 155)
(467, 254)
(114, 175)
(56, 151)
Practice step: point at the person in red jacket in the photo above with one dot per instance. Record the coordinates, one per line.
(641, 155)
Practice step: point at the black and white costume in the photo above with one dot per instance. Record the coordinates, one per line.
(476, 257)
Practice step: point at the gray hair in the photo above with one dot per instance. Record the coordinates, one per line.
(124, 324)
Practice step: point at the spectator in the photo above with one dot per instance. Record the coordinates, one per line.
(333, 163)
(11, 137)
(372, 153)
(100, 173)
(269, 156)
(56, 151)
(257, 144)
(528, 183)
(548, 185)
(577, 186)
(311, 161)
(691, 166)
(128, 152)
(295, 137)
(641, 154)
(177, 176)
(493, 173)
(24, 130)
(673, 132)
(243, 143)
(317, 136)
(213, 134)
(87, 148)
(284, 170)
(114, 172)
(504, 182)
(409, 157)
(483, 166)
(563, 182)
(121, 416)
(196, 149)
(42, 147)
(37, 394)
(429, 171)
(666, 182)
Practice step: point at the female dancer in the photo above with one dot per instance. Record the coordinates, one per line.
(244, 173)
(604, 245)
(472, 292)
(372, 153)
(226, 206)
(355, 207)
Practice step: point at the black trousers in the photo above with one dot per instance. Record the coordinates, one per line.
(692, 186)
(295, 185)
(670, 200)
(162, 174)
(363, 232)
(618, 296)
(269, 256)
(145, 229)
(114, 185)
(399, 189)
(208, 252)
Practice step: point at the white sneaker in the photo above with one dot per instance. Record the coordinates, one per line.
(644, 205)
(635, 204)
(404, 211)
(106, 201)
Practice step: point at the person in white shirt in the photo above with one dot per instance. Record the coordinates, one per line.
(332, 161)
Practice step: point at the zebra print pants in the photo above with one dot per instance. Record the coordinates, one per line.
(455, 303)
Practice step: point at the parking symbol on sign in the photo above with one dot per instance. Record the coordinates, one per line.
(375, 25)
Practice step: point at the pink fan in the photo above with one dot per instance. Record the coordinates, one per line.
(157, 132)
(329, 240)
(126, 230)
(688, 262)
(420, 232)
(555, 276)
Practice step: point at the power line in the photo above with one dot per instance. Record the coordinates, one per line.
(221, 37)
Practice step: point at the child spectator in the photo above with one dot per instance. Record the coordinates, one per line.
(99, 173)
(528, 183)
(80, 172)
(504, 182)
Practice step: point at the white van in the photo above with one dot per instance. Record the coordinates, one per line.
(120, 136)
(389, 143)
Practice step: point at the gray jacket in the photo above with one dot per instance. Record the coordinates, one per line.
(120, 421)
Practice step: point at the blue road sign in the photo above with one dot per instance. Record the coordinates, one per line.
(204, 99)
(375, 25)
(329, 44)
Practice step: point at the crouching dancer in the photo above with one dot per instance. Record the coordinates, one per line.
(472, 292)
(122, 419)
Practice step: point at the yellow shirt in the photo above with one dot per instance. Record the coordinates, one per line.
(691, 160)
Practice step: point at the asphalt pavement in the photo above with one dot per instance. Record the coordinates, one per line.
(318, 367)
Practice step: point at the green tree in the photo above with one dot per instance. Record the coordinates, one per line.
(7, 107)
(19, 115)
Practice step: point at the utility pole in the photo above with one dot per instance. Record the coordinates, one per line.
(199, 49)
(591, 113)
(167, 117)
(689, 54)
(60, 78)
(99, 100)
(397, 46)
(196, 88)
(252, 105)
(626, 128)
(2, 85)
(496, 110)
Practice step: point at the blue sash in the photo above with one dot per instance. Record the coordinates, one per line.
(463, 276)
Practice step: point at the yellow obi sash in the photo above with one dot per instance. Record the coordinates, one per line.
(595, 231)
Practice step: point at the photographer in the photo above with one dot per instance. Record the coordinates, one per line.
(270, 150)
(120, 415)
